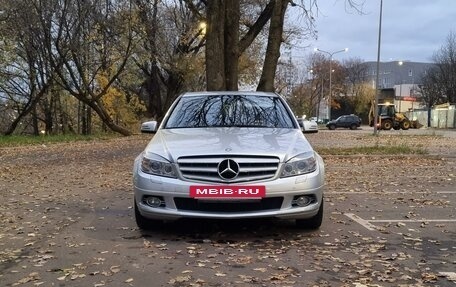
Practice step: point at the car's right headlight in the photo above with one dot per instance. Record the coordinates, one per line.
(157, 165)
(300, 164)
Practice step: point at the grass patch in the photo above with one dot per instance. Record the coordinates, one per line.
(374, 150)
(10, 141)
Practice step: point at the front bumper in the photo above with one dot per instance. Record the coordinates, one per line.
(309, 128)
(278, 202)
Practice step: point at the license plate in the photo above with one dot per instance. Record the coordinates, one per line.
(227, 191)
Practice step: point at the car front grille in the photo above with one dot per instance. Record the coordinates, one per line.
(191, 204)
(205, 169)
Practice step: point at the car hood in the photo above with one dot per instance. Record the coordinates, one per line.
(174, 143)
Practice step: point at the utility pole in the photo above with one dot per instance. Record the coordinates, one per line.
(378, 71)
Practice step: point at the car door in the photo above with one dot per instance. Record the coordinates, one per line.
(343, 121)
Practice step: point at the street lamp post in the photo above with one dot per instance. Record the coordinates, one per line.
(400, 63)
(330, 75)
(377, 86)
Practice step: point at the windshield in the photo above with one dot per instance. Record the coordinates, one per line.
(229, 111)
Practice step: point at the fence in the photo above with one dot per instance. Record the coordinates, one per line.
(440, 118)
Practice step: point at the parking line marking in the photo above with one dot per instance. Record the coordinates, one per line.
(392, 192)
(449, 275)
(371, 227)
(448, 192)
(411, 220)
(366, 224)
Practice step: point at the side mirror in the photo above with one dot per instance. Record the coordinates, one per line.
(301, 124)
(149, 127)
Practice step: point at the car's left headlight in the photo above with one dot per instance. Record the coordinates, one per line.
(300, 164)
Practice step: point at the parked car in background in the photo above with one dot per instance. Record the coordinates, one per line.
(346, 121)
(318, 120)
(228, 155)
(307, 126)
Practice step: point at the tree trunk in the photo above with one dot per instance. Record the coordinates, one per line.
(104, 116)
(47, 107)
(89, 120)
(84, 119)
(36, 128)
(232, 44)
(273, 49)
(429, 117)
(29, 108)
(152, 88)
(215, 55)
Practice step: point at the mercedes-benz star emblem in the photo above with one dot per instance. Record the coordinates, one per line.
(228, 169)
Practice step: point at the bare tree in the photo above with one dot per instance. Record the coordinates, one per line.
(223, 47)
(89, 40)
(171, 38)
(26, 74)
(349, 92)
(439, 83)
(355, 71)
(314, 84)
(82, 41)
(445, 59)
(431, 90)
(357, 89)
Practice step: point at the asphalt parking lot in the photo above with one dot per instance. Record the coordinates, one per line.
(67, 220)
(407, 201)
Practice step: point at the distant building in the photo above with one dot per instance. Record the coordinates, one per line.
(396, 73)
(398, 82)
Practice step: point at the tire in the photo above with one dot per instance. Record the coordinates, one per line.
(387, 125)
(145, 223)
(332, 127)
(313, 222)
(405, 125)
(353, 127)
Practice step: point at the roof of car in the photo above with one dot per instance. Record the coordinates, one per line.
(218, 93)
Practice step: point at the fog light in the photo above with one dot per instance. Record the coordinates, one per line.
(302, 201)
(153, 201)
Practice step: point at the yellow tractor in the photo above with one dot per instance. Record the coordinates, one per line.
(388, 118)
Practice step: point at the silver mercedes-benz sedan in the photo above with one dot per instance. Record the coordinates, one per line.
(228, 155)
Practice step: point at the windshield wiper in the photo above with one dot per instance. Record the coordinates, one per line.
(250, 126)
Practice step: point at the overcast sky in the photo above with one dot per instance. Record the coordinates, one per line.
(411, 29)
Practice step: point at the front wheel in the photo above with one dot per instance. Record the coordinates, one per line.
(145, 223)
(387, 125)
(405, 125)
(353, 127)
(313, 222)
(332, 127)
